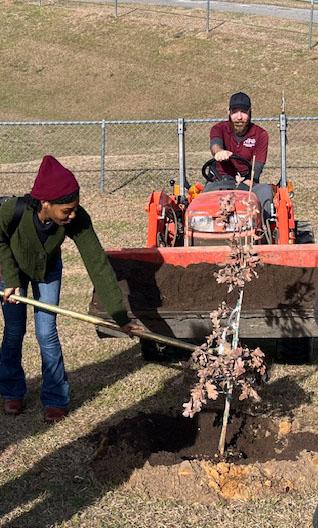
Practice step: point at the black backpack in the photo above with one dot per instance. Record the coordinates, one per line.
(19, 210)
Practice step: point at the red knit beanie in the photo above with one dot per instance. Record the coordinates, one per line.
(53, 181)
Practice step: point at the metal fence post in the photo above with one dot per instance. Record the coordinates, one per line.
(311, 21)
(208, 16)
(181, 144)
(116, 8)
(102, 156)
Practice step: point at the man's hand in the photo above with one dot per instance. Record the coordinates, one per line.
(9, 291)
(129, 328)
(248, 182)
(222, 155)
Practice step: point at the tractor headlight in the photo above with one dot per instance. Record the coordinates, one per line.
(202, 223)
(239, 222)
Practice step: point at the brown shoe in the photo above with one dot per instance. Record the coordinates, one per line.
(54, 414)
(13, 407)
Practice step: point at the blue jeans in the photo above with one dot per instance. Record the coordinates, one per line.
(55, 387)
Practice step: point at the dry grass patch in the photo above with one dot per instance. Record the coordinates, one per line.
(47, 473)
(116, 68)
(126, 68)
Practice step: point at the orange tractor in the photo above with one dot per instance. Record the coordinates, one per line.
(170, 285)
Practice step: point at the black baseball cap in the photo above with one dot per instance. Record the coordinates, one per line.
(240, 100)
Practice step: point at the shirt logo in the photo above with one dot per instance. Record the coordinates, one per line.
(249, 142)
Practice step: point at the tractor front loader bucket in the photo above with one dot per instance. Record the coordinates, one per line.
(173, 290)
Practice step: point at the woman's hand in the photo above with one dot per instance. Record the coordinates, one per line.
(131, 327)
(7, 295)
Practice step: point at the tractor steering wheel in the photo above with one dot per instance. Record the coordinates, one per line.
(210, 173)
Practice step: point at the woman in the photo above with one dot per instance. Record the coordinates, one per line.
(32, 254)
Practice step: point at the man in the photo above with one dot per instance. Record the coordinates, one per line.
(240, 137)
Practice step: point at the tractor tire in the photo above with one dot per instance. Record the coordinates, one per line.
(315, 519)
(299, 350)
(313, 351)
(152, 351)
(304, 233)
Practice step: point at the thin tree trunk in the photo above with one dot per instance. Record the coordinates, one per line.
(225, 418)
(235, 324)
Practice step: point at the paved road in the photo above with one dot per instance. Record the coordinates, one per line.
(298, 14)
(289, 13)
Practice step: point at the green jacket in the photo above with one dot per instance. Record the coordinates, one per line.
(25, 252)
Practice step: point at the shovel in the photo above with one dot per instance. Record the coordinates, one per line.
(101, 322)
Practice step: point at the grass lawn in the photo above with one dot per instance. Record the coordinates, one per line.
(83, 63)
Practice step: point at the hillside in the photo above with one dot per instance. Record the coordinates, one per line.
(83, 63)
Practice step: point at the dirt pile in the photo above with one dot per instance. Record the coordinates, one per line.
(168, 456)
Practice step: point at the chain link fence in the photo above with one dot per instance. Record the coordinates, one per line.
(23, 144)
(206, 8)
(117, 155)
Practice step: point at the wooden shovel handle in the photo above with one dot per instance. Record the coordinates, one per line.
(101, 322)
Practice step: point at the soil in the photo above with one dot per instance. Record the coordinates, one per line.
(174, 288)
(169, 456)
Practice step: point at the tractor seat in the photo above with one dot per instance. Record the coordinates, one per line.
(226, 184)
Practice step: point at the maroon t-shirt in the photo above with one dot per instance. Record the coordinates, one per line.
(254, 142)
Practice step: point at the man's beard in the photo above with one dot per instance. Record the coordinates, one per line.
(240, 128)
